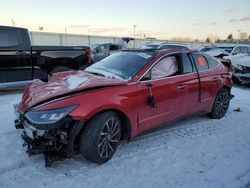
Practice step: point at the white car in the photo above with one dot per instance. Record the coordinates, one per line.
(164, 45)
(239, 55)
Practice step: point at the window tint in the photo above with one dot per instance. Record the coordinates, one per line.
(187, 66)
(200, 62)
(8, 38)
(168, 66)
(243, 50)
(211, 62)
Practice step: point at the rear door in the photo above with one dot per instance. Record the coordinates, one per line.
(188, 87)
(15, 62)
(101, 52)
(209, 79)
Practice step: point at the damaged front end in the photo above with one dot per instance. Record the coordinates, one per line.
(242, 73)
(51, 132)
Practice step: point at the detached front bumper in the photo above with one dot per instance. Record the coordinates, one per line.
(242, 75)
(56, 144)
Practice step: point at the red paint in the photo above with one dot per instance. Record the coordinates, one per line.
(176, 96)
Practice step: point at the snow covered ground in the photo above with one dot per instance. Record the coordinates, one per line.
(198, 152)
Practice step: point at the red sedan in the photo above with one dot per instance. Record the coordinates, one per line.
(120, 97)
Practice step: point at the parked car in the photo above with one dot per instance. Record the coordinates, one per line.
(119, 98)
(163, 45)
(208, 48)
(126, 42)
(239, 55)
(100, 51)
(19, 61)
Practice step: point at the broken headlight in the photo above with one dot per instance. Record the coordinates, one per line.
(48, 116)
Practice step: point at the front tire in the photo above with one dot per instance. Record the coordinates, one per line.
(101, 137)
(221, 104)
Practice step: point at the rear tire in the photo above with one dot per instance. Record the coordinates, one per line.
(101, 137)
(221, 104)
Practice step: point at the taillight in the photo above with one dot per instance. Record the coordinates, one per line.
(89, 55)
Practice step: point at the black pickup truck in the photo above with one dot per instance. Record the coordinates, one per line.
(21, 62)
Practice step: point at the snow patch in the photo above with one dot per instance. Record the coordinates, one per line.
(76, 81)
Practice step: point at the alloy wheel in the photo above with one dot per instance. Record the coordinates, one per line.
(109, 138)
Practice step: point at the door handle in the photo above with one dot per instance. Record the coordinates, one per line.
(181, 86)
(149, 85)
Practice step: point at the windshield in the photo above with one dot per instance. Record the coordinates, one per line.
(152, 45)
(93, 46)
(121, 65)
(227, 49)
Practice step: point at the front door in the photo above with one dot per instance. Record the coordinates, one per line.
(15, 62)
(161, 85)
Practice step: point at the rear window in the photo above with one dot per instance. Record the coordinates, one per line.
(8, 38)
(123, 64)
(200, 61)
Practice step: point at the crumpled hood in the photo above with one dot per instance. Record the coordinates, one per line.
(62, 84)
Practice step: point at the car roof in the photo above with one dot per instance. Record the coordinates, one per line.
(165, 43)
(233, 45)
(161, 51)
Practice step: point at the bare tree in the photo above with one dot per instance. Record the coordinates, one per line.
(243, 35)
(208, 39)
(230, 37)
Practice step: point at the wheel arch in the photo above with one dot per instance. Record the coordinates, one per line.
(226, 87)
(125, 121)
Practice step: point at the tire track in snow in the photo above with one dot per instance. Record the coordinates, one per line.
(150, 142)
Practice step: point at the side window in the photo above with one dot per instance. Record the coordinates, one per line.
(168, 66)
(114, 47)
(243, 50)
(102, 48)
(236, 51)
(187, 66)
(211, 62)
(248, 49)
(8, 38)
(200, 62)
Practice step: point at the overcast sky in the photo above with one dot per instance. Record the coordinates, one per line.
(159, 18)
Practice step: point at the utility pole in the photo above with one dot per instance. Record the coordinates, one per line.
(239, 30)
(134, 34)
